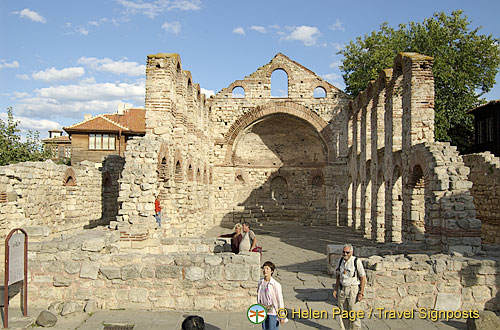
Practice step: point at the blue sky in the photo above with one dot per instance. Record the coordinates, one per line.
(60, 59)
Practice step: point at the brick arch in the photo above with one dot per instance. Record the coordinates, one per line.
(69, 178)
(278, 66)
(285, 107)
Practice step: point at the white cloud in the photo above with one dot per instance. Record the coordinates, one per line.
(116, 67)
(207, 92)
(335, 64)
(338, 46)
(32, 15)
(5, 65)
(99, 22)
(306, 34)
(337, 26)
(154, 8)
(174, 27)
(335, 79)
(20, 95)
(83, 31)
(73, 100)
(23, 76)
(239, 30)
(258, 28)
(52, 74)
(274, 26)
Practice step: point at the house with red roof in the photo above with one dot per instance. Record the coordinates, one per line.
(59, 145)
(107, 134)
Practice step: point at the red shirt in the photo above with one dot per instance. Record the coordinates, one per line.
(157, 206)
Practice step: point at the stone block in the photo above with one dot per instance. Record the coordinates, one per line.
(93, 244)
(487, 321)
(46, 319)
(70, 308)
(129, 272)
(110, 272)
(237, 272)
(168, 271)
(89, 269)
(214, 273)
(90, 306)
(448, 302)
(194, 273)
(481, 293)
(62, 281)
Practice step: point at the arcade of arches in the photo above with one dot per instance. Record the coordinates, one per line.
(314, 156)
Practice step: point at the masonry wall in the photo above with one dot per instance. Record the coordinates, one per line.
(402, 185)
(46, 198)
(485, 175)
(96, 270)
(173, 159)
(269, 150)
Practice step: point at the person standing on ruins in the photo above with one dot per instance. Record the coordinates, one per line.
(236, 237)
(351, 280)
(249, 240)
(158, 211)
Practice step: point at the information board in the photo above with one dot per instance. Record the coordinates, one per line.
(16, 258)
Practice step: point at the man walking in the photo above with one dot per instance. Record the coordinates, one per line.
(350, 285)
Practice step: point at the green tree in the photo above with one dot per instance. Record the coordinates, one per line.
(465, 66)
(12, 149)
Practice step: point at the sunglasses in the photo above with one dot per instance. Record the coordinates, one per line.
(346, 252)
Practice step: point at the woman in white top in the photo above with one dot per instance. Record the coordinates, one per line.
(270, 295)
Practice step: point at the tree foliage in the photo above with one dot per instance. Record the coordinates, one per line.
(465, 66)
(12, 149)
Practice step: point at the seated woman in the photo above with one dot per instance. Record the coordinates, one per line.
(236, 238)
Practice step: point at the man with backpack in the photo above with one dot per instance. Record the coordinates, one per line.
(350, 285)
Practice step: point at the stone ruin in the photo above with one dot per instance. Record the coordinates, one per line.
(370, 164)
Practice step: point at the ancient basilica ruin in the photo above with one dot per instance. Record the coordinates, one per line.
(370, 164)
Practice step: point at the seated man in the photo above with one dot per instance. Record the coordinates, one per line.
(249, 240)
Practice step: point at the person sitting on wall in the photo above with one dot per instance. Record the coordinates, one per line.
(158, 210)
(236, 238)
(249, 240)
(193, 322)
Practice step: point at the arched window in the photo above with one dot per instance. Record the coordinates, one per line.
(279, 83)
(319, 92)
(178, 171)
(238, 92)
(279, 188)
(190, 172)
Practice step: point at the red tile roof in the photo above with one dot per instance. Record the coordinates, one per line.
(132, 121)
(57, 139)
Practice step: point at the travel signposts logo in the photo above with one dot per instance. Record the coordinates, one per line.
(256, 314)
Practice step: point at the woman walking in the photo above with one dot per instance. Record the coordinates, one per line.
(270, 295)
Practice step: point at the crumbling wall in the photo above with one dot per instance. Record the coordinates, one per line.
(48, 198)
(279, 157)
(404, 186)
(485, 175)
(173, 159)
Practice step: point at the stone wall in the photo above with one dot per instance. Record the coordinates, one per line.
(414, 280)
(173, 159)
(485, 175)
(94, 268)
(404, 186)
(45, 198)
(279, 157)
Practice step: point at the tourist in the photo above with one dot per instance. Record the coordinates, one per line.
(158, 211)
(236, 237)
(193, 322)
(270, 295)
(249, 240)
(351, 279)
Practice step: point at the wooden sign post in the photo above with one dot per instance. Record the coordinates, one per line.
(16, 268)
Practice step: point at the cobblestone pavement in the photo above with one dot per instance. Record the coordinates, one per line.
(299, 253)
